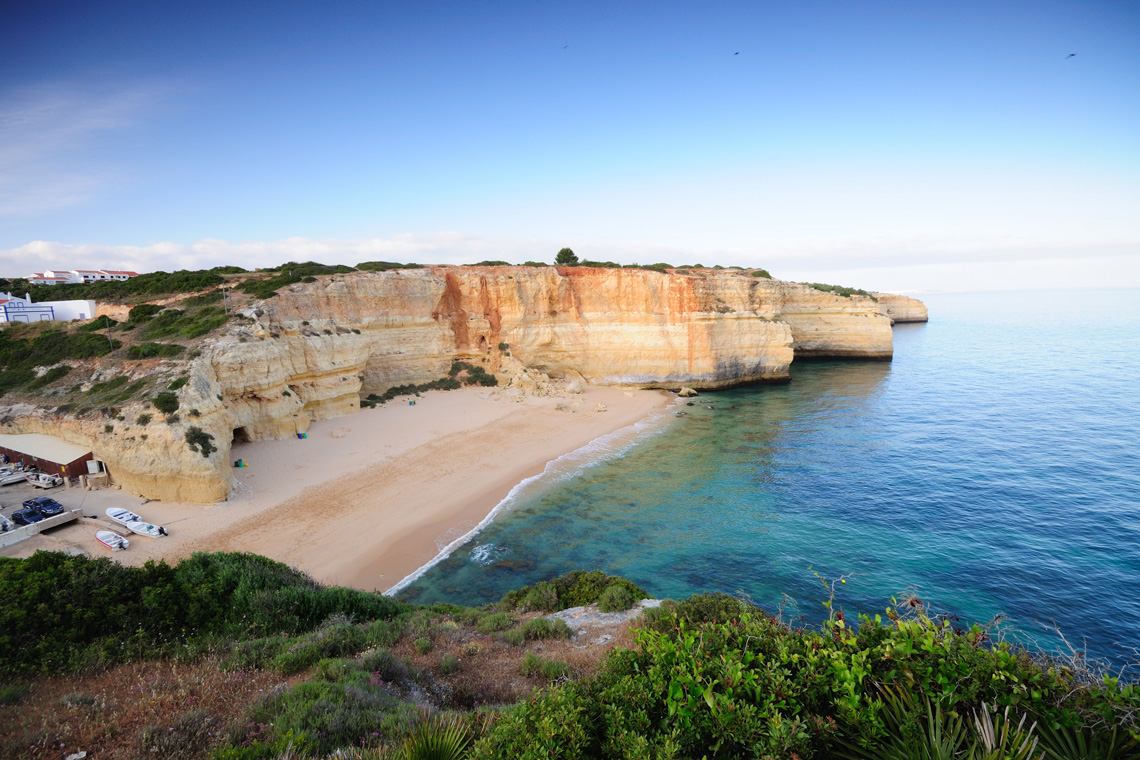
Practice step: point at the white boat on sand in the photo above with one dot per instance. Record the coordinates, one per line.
(44, 480)
(112, 540)
(135, 523)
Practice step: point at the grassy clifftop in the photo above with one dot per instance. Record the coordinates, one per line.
(236, 656)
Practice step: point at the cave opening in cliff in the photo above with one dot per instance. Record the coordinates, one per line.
(483, 343)
(240, 436)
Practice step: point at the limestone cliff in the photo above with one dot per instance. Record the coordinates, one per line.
(316, 348)
(901, 308)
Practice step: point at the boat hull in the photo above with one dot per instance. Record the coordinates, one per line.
(111, 540)
(135, 523)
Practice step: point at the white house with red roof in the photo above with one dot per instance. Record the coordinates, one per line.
(77, 276)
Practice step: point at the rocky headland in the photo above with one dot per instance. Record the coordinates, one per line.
(318, 348)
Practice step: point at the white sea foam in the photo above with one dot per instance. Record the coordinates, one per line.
(484, 554)
(565, 467)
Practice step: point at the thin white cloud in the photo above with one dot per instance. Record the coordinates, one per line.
(45, 136)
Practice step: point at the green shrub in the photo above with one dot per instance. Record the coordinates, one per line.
(178, 383)
(383, 266)
(552, 670)
(498, 621)
(300, 657)
(531, 665)
(542, 597)
(200, 441)
(99, 323)
(335, 669)
(108, 385)
(545, 628)
(491, 263)
(287, 274)
(516, 637)
(167, 403)
(49, 377)
(19, 356)
(153, 350)
(383, 633)
(422, 645)
(448, 664)
(574, 589)
(255, 654)
(761, 273)
(383, 663)
(557, 724)
(175, 323)
(839, 290)
(13, 693)
(151, 284)
(144, 312)
(331, 715)
(94, 612)
(616, 598)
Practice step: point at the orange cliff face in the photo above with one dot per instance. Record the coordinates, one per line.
(316, 348)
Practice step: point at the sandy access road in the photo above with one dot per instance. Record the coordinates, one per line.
(369, 498)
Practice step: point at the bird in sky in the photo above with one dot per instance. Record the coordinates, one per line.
(1070, 55)
(736, 53)
(565, 46)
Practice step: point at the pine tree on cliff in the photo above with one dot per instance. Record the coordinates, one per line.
(566, 258)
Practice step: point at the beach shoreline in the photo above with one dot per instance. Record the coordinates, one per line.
(369, 499)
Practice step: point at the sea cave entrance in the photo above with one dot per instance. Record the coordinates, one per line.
(240, 436)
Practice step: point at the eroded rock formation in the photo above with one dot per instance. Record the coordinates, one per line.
(316, 348)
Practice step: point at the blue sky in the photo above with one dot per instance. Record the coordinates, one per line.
(883, 145)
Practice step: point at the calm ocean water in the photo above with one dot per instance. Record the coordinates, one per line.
(993, 466)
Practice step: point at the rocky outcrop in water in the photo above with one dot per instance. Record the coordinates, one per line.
(901, 308)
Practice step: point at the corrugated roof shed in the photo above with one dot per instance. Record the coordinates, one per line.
(44, 446)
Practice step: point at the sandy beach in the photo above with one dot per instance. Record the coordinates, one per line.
(367, 499)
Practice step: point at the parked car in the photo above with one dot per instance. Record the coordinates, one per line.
(45, 505)
(26, 516)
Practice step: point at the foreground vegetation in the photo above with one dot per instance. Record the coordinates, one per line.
(249, 659)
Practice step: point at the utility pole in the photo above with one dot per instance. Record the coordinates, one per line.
(109, 341)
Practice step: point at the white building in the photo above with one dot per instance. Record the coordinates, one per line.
(62, 277)
(16, 309)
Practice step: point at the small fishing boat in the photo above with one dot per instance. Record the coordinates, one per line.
(10, 475)
(44, 480)
(112, 540)
(135, 523)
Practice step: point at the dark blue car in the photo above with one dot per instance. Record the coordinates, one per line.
(26, 517)
(46, 506)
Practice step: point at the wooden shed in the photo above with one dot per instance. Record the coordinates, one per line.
(46, 453)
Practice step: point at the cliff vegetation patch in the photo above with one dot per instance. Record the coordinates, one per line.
(460, 374)
(288, 274)
(23, 347)
(839, 290)
(199, 440)
(150, 285)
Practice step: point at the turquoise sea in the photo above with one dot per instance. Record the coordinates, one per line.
(993, 467)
